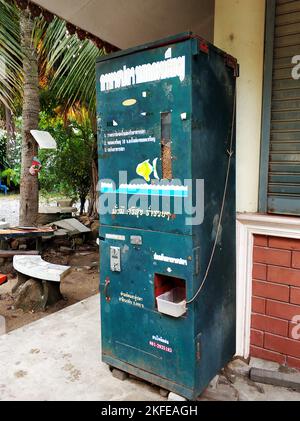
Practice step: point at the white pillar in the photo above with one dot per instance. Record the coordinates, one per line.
(239, 30)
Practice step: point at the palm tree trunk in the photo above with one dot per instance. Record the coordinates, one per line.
(31, 107)
(11, 135)
(93, 195)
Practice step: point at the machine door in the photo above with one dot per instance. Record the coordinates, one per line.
(135, 270)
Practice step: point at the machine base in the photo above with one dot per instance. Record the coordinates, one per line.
(179, 389)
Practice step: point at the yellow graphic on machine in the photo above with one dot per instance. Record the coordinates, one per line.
(145, 169)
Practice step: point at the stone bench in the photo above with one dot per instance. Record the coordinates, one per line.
(38, 282)
(36, 267)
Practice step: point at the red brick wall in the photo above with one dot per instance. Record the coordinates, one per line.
(276, 300)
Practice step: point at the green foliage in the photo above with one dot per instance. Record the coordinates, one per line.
(12, 176)
(68, 169)
(70, 63)
(10, 167)
(48, 102)
(13, 161)
(3, 161)
(74, 165)
(66, 63)
(67, 79)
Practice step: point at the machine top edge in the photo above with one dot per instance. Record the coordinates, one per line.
(174, 39)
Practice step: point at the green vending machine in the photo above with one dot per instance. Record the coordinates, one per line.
(166, 141)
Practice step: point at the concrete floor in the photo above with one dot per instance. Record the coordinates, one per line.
(58, 358)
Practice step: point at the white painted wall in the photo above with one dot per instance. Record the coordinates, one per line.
(239, 30)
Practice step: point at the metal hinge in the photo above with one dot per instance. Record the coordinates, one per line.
(196, 255)
(231, 62)
(198, 347)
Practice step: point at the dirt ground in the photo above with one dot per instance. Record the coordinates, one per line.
(82, 282)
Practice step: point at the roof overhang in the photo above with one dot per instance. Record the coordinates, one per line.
(127, 23)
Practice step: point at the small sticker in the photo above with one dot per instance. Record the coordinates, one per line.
(136, 240)
(115, 237)
(168, 53)
(129, 102)
(167, 259)
(163, 345)
(183, 116)
(115, 259)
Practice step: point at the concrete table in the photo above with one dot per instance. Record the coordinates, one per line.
(14, 233)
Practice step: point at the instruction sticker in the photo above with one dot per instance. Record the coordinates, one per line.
(160, 343)
(167, 259)
(131, 299)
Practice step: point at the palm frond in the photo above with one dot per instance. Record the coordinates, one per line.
(67, 62)
(10, 54)
(71, 63)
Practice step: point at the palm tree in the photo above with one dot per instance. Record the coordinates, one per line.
(19, 65)
(31, 108)
(31, 46)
